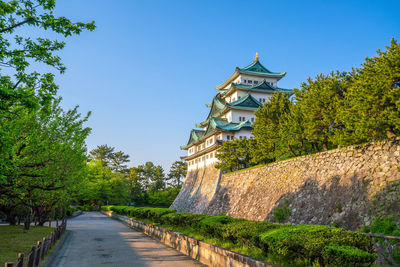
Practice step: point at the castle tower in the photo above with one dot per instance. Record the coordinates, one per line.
(231, 112)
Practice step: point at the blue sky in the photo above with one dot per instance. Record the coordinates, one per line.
(150, 66)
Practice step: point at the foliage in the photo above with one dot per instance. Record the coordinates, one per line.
(311, 242)
(337, 109)
(337, 255)
(304, 245)
(235, 155)
(372, 104)
(47, 159)
(109, 183)
(387, 226)
(115, 160)
(281, 213)
(42, 147)
(177, 173)
(21, 87)
(267, 128)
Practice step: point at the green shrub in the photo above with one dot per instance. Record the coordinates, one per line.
(302, 245)
(281, 213)
(337, 255)
(246, 232)
(309, 241)
(213, 225)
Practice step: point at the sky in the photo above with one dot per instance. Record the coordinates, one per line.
(148, 69)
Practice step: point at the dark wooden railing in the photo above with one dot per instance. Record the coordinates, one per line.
(385, 248)
(39, 251)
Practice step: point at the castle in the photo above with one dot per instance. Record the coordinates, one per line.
(231, 112)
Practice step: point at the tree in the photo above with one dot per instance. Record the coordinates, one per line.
(235, 155)
(104, 153)
(267, 128)
(47, 159)
(34, 151)
(319, 102)
(371, 107)
(118, 162)
(21, 87)
(177, 173)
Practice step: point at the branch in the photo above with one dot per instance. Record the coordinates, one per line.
(16, 25)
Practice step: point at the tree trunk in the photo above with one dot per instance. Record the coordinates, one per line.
(27, 222)
(291, 151)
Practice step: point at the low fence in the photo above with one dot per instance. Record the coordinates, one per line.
(39, 251)
(385, 246)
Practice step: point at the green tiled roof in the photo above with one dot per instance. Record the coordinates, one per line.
(219, 106)
(257, 67)
(262, 86)
(215, 125)
(246, 102)
(195, 135)
(223, 124)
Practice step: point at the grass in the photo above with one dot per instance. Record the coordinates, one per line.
(14, 240)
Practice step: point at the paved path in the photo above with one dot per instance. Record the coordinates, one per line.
(97, 240)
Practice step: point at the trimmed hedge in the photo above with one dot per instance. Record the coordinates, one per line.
(306, 245)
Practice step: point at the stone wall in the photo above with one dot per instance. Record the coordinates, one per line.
(198, 190)
(347, 187)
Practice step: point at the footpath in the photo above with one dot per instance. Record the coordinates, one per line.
(97, 240)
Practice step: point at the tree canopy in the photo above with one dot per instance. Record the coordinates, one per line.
(337, 109)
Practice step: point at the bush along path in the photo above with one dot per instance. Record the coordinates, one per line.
(285, 245)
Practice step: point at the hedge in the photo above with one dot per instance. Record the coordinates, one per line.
(305, 244)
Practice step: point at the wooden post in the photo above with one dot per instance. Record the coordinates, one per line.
(43, 248)
(37, 257)
(57, 222)
(36, 220)
(31, 256)
(20, 262)
(49, 222)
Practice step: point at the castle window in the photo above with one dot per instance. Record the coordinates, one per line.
(244, 81)
(252, 119)
(255, 82)
(250, 81)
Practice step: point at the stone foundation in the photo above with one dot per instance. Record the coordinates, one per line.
(347, 187)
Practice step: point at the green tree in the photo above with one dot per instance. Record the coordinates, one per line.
(371, 108)
(319, 101)
(235, 155)
(267, 128)
(18, 52)
(177, 173)
(47, 159)
(118, 162)
(104, 153)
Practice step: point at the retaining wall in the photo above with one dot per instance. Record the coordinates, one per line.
(347, 187)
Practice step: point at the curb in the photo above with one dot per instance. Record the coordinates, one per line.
(52, 257)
